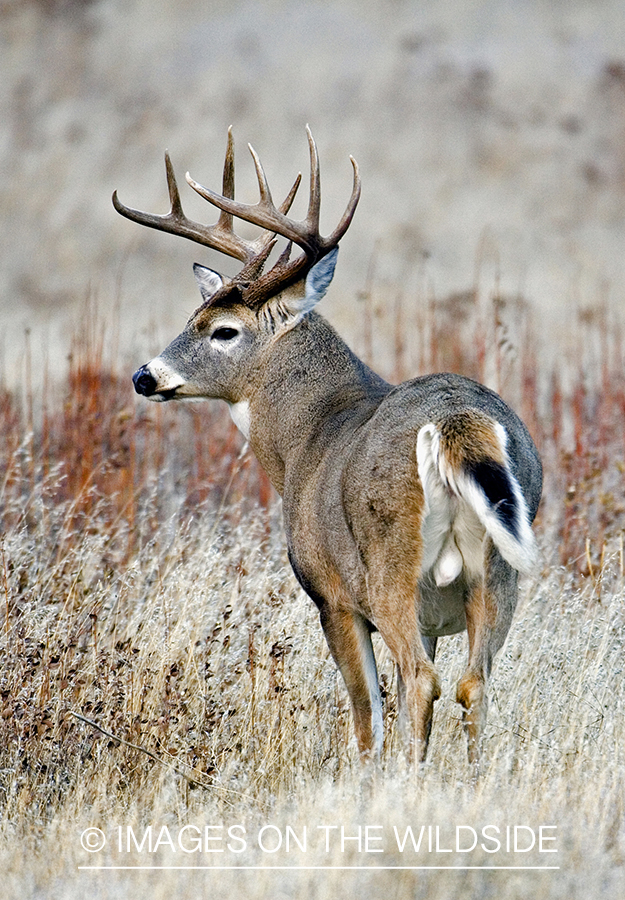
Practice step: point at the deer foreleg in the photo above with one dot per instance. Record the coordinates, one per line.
(349, 640)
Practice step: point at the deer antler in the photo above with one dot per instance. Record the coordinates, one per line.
(250, 286)
(220, 236)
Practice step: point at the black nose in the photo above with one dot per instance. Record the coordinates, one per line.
(144, 382)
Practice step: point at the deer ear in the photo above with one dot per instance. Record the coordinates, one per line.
(208, 281)
(289, 308)
(319, 278)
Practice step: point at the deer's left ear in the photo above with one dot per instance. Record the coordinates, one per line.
(319, 278)
(289, 307)
(317, 283)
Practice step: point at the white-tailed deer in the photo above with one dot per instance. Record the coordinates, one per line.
(407, 508)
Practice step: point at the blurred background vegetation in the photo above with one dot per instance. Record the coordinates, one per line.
(490, 135)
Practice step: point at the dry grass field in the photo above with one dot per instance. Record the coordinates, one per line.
(165, 688)
(165, 680)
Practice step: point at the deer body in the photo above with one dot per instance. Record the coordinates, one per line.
(407, 509)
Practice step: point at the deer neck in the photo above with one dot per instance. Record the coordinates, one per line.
(309, 394)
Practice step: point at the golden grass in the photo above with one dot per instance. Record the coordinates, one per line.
(144, 587)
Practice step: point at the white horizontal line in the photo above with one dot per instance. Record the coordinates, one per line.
(315, 868)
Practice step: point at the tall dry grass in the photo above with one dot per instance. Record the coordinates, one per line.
(161, 668)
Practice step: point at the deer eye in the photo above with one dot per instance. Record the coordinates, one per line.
(224, 334)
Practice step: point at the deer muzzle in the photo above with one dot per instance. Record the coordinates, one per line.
(157, 380)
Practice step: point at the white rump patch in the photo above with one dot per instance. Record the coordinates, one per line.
(458, 514)
(439, 545)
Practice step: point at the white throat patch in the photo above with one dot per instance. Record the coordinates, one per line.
(240, 414)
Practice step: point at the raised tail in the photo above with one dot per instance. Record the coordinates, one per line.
(470, 488)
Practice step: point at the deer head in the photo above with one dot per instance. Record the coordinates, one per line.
(241, 317)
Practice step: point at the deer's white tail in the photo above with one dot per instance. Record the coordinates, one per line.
(470, 488)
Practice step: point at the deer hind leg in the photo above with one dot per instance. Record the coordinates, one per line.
(471, 689)
(418, 684)
(422, 691)
(349, 639)
(429, 644)
(403, 713)
(489, 608)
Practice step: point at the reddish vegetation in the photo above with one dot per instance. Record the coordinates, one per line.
(105, 447)
(102, 494)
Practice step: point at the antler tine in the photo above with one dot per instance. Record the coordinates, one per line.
(172, 187)
(266, 199)
(228, 176)
(290, 197)
(227, 189)
(314, 201)
(331, 241)
(224, 223)
(314, 204)
(263, 185)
